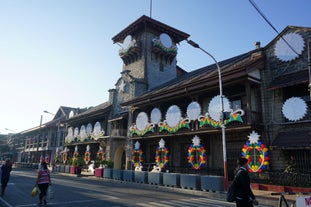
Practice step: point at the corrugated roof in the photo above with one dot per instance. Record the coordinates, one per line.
(290, 80)
(292, 140)
(145, 21)
(200, 75)
(92, 110)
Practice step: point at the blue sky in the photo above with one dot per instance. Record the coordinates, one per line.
(59, 52)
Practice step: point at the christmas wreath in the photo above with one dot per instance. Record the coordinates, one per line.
(263, 158)
(87, 156)
(137, 157)
(162, 157)
(196, 156)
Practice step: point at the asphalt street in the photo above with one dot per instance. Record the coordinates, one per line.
(90, 191)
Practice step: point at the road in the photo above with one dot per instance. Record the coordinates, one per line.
(85, 191)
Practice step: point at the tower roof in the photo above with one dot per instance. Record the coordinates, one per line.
(147, 22)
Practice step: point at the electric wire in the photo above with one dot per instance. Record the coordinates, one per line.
(266, 19)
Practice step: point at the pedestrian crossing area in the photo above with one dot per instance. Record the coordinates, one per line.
(193, 202)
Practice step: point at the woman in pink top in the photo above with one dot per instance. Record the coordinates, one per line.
(43, 182)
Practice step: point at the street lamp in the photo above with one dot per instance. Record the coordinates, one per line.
(223, 133)
(45, 111)
(10, 130)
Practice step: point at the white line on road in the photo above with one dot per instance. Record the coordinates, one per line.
(59, 203)
(6, 203)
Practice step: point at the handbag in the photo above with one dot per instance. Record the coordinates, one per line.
(34, 191)
(50, 193)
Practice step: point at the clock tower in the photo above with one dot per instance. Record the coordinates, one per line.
(148, 51)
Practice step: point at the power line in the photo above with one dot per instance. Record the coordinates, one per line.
(267, 20)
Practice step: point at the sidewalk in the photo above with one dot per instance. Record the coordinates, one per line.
(264, 197)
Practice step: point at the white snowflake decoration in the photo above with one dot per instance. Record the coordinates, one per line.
(161, 143)
(253, 137)
(283, 52)
(294, 108)
(137, 145)
(214, 108)
(196, 141)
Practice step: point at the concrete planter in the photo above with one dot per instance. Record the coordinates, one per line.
(117, 174)
(107, 173)
(67, 168)
(75, 170)
(141, 176)
(171, 179)
(128, 175)
(99, 172)
(212, 183)
(155, 178)
(56, 168)
(190, 181)
(35, 166)
(62, 168)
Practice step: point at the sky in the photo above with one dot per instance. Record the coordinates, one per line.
(59, 52)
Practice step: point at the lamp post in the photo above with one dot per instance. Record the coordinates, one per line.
(38, 138)
(39, 134)
(223, 133)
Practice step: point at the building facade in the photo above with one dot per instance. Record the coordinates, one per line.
(160, 115)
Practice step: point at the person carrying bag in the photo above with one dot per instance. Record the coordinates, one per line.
(43, 182)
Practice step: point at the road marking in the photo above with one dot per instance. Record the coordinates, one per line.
(187, 202)
(59, 203)
(6, 203)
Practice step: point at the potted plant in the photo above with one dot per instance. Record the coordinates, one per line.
(77, 163)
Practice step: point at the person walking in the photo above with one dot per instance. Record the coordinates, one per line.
(43, 182)
(243, 193)
(5, 175)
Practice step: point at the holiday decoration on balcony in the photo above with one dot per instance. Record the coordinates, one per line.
(294, 108)
(130, 51)
(256, 152)
(137, 154)
(97, 132)
(163, 47)
(69, 138)
(142, 125)
(162, 156)
(87, 155)
(196, 154)
(215, 116)
(173, 120)
(193, 110)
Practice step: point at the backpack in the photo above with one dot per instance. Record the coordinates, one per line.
(231, 190)
(231, 193)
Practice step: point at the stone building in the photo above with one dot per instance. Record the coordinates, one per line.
(160, 115)
(286, 98)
